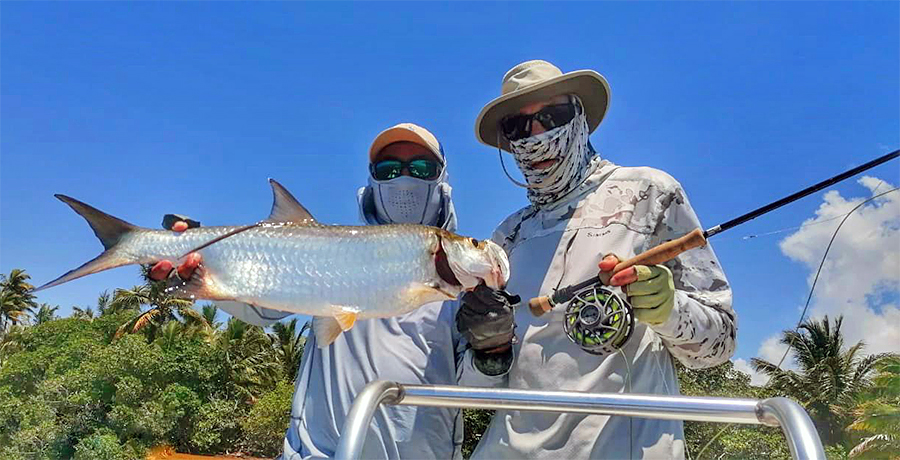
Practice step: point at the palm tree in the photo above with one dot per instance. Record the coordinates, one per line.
(289, 345)
(829, 378)
(171, 333)
(45, 314)
(16, 299)
(103, 303)
(11, 342)
(251, 360)
(209, 313)
(163, 308)
(877, 417)
(83, 313)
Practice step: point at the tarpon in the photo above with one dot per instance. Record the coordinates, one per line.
(290, 262)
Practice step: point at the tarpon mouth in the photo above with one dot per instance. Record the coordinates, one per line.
(442, 265)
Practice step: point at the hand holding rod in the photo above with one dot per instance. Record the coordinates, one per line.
(668, 251)
(658, 255)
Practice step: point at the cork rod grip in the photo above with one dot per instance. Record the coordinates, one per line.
(660, 254)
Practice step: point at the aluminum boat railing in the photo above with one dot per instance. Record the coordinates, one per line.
(799, 430)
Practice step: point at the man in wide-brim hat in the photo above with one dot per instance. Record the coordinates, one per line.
(585, 211)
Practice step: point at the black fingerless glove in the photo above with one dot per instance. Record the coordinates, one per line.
(486, 320)
(170, 219)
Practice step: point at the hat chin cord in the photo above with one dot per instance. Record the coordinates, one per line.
(503, 165)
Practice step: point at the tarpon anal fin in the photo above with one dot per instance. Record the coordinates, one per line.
(328, 328)
(286, 208)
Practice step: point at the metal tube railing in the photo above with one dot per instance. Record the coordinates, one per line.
(799, 430)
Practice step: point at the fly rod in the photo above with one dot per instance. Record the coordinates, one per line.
(697, 238)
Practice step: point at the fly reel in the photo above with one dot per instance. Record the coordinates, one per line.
(598, 320)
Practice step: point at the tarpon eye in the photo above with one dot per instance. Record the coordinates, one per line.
(474, 242)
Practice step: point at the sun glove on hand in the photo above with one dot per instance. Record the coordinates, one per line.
(169, 221)
(653, 294)
(486, 318)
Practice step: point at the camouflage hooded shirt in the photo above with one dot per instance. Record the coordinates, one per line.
(624, 211)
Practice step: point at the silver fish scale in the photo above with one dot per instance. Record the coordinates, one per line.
(307, 268)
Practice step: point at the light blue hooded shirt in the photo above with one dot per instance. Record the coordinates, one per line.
(420, 347)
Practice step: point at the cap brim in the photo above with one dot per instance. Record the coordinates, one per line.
(588, 85)
(400, 134)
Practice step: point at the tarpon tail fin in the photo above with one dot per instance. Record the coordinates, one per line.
(109, 231)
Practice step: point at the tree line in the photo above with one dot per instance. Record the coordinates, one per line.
(141, 369)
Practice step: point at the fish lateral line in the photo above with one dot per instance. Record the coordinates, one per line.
(222, 237)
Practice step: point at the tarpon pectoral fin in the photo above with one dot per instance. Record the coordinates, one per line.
(286, 208)
(420, 294)
(345, 317)
(328, 328)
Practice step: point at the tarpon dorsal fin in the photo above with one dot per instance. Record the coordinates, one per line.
(286, 208)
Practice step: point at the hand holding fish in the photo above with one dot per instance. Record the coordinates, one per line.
(163, 268)
(486, 318)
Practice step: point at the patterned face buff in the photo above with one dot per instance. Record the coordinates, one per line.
(568, 145)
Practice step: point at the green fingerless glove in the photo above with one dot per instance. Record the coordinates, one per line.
(653, 294)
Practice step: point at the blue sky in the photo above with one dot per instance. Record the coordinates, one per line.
(146, 108)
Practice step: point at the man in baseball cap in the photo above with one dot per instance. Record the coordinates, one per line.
(407, 184)
(438, 343)
(407, 180)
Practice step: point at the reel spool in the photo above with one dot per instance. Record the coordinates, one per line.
(598, 320)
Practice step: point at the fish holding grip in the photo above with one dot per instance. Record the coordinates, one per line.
(598, 319)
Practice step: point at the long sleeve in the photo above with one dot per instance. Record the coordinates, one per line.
(702, 328)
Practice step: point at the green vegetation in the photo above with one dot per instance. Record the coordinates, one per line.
(140, 369)
(716, 440)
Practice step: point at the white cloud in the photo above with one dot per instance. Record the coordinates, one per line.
(756, 379)
(771, 350)
(861, 276)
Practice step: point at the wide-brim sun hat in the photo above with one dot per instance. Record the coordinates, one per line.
(538, 81)
(406, 132)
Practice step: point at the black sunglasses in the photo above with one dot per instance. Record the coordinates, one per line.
(518, 126)
(392, 169)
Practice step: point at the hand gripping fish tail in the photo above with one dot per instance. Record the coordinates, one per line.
(292, 263)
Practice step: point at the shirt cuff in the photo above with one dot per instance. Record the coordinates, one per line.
(670, 328)
(493, 364)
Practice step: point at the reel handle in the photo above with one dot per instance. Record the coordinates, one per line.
(658, 255)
